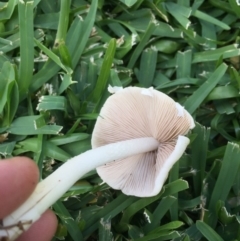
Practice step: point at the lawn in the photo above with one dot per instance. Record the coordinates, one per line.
(57, 59)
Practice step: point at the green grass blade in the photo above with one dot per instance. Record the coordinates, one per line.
(133, 209)
(42, 76)
(7, 11)
(66, 82)
(169, 226)
(208, 55)
(227, 175)
(82, 38)
(5, 41)
(47, 21)
(167, 235)
(235, 7)
(63, 22)
(166, 30)
(178, 82)
(26, 46)
(15, 41)
(209, 233)
(7, 75)
(49, 6)
(105, 233)
(180, 13)
(27, 125)
(53, 57)
(75, 43)
(68, 138)
(8, 88)
(112, 209)
(12, 104)
(213, 55)
(173, 176)
(186, 238)
(129, 3)
(184, 60)
(208, 18)
(189, 204)
(139, 49)
(209, 32)
(196, 99)
(6, 149)
(162, 208)
(147, 67)
(65, 217)
(199, 155)
(50, 150)
(38, 154)
(52, 103)
(174, 187)
(223, 92)
(167, 46)
(104, 72)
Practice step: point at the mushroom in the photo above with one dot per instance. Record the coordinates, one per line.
(134, 113)
(141, 129)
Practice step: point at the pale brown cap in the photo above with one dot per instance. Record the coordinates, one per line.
(136, 112)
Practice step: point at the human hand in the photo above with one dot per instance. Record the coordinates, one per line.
(18, 178)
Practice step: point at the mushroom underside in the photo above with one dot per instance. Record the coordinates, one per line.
(143, 175)
(130, 114)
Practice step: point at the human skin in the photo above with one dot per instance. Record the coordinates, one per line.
(18, 178)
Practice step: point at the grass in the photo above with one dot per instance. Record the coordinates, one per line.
(57, 58)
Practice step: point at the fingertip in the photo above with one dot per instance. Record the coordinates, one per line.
(18, 178)
(43, 229)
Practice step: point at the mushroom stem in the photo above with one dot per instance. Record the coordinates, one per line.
(55, 185)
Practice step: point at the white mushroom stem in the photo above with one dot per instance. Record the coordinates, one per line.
(54, 186)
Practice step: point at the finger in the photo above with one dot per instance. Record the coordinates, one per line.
(18, 178)
(42, 230)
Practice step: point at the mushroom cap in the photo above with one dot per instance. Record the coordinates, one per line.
(136, 112)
